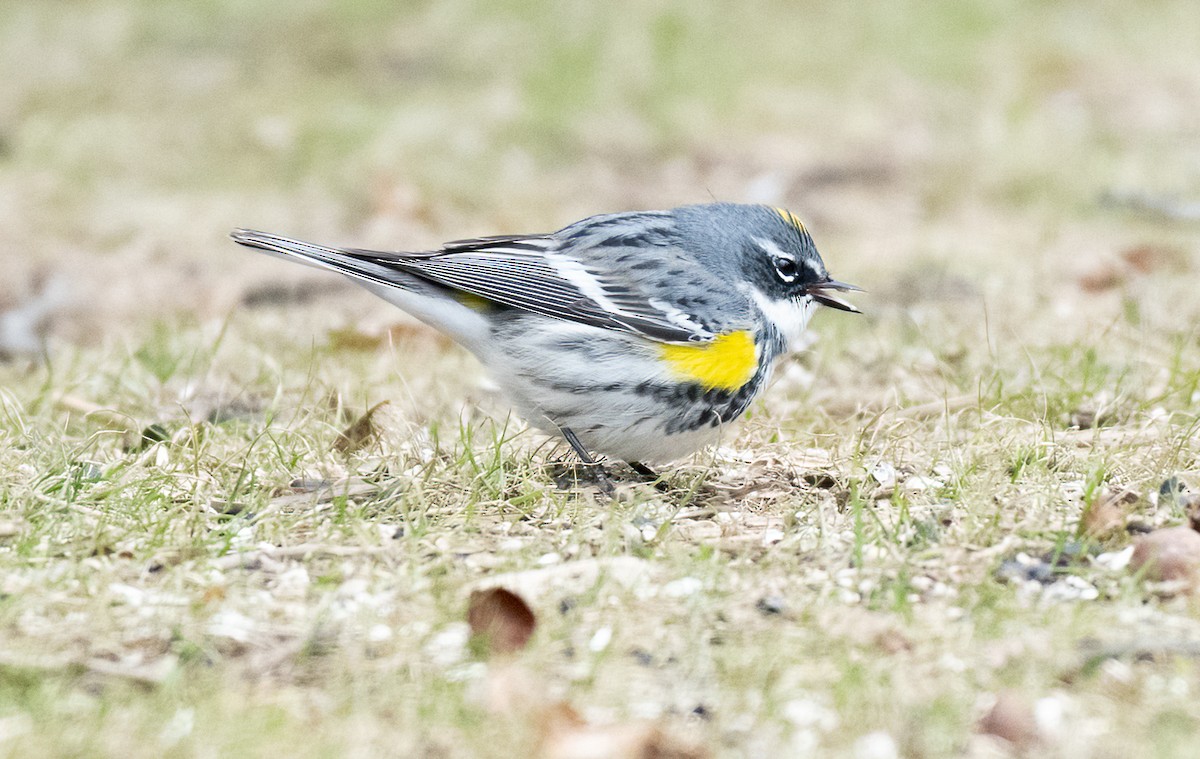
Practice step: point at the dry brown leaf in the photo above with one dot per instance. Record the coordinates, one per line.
(501, 620)
(1147, 258)
(1012, 719)
(1104, 276)
(1168, 555)
(1105, 516)
(1191, 506)
(1135, 261)
(360, 434)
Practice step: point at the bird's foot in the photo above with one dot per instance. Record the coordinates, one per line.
(569, 475)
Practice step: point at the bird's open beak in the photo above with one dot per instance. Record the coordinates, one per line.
(822, 292)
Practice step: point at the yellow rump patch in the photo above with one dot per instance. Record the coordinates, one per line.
(790, 218)
(726, 363)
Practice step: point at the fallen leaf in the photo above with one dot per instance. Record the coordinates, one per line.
(1104, 276)
(360, 434)
(1147, 258)
(1105, 516)
(1135, 261)
(1168, 555)
(500, 620)
(1190, 502)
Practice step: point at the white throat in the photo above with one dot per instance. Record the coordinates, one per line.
(789, 316)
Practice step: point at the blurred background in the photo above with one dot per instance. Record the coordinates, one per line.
(1004, 148)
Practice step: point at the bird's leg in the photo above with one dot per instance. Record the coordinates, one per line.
(602, 479)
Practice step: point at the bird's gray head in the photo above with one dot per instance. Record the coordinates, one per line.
(766, 248)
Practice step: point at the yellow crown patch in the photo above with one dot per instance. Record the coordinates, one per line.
(790, 218)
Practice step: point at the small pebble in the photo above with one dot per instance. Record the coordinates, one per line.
(884, 473)
(1023, 568)
(770, 605)
(1115, 561)
(1170, 489)
(771, 537)
(1068, 553)
(877, 745)
(600, 640)
(683, 587)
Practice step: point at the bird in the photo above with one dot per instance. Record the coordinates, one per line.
(635, 336)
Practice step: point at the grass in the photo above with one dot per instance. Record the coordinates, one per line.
(189, 567)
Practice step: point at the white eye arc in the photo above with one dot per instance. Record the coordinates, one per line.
(786, 265)
(786, 268)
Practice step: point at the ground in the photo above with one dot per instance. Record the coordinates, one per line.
(202, 553)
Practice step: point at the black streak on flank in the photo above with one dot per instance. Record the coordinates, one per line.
(655, 238)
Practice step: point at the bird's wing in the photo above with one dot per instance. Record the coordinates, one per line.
(580, 281)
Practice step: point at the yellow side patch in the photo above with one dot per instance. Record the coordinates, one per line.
(473, 301)
(790, 218)
(726, 363)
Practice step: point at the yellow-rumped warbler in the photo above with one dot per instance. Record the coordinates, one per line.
(635, 335)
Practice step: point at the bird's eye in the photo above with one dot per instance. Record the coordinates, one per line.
(787, 268)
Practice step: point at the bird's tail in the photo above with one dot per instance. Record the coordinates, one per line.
(352, 263)
(430, 302)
